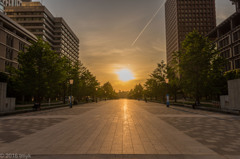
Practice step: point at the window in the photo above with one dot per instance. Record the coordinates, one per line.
(228, 66)
(224, 42)
(237, 63)
(236, 36)
(226, 54)
(9, 40)
(9, 53)
(237, 50)
(21, 46)
(7, 65)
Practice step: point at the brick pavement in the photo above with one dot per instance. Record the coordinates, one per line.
(123, 128)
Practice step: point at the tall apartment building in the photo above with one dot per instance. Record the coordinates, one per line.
(182, 17)
(13, 38)
(37, 19)
(227, 38)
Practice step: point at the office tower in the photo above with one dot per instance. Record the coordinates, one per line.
(182, 17)
(37, 19)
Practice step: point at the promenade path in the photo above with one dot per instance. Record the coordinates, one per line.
(121, 129)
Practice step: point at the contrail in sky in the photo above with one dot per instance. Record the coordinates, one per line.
(149, 22)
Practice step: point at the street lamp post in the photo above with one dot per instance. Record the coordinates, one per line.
(96, 95)
(167, 96)
(71, 83)
(105, 95)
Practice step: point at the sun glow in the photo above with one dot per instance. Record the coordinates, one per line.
(125, 75)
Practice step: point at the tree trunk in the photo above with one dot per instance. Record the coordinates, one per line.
(175, 97)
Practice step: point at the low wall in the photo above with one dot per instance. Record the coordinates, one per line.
(6, 104)
(234, 94)
(232, 101)
(224, 102)
(3, 90)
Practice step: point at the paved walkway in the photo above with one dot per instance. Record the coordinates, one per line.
(120, 129)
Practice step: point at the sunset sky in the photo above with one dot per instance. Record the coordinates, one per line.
(107, 29)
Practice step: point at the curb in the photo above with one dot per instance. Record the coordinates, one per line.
(203, 108)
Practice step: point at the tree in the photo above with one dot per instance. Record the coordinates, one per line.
(197, 59)
(233, 74)
(41, 71)
(3, 77)
(137, 92)
(108, 91)
(174, 82)
(156, 85)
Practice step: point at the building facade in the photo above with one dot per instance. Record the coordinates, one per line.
(182, 17)
(227, 38)
(1, 7)
(13, 38)
(37, 19)
(11, 2)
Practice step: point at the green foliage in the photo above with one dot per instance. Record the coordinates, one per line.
(44, 74)
(233, 74)
(88, 83)
(174, 82)
(137, 92)
(41, 71)
(3, 77)
(199, 65)
(107, 91)
(156, 85)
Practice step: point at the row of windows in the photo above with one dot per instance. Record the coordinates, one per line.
(226, 54)
(228, 65)
(193, 2)
(224, 42)
(193, 19)
(237, 50)
(206, 25)
(191, 28)
(196, 15)
(236, 36)
(24, 13)
(237, 64)
(10, 43)
(197, 10)
(11, 2)
(9, 53)
(9, 40)
(28, 19)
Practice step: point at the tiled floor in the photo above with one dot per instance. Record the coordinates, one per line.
(123, 128)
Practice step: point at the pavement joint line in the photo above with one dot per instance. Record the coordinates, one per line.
(136, 127)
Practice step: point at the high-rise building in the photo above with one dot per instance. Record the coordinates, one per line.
(37, 19)
(1, 7)
(14, 38)
(237, 3)
(226, 36)
(11, 2)
(182, 17)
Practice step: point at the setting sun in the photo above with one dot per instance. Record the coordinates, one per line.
(125, 75)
